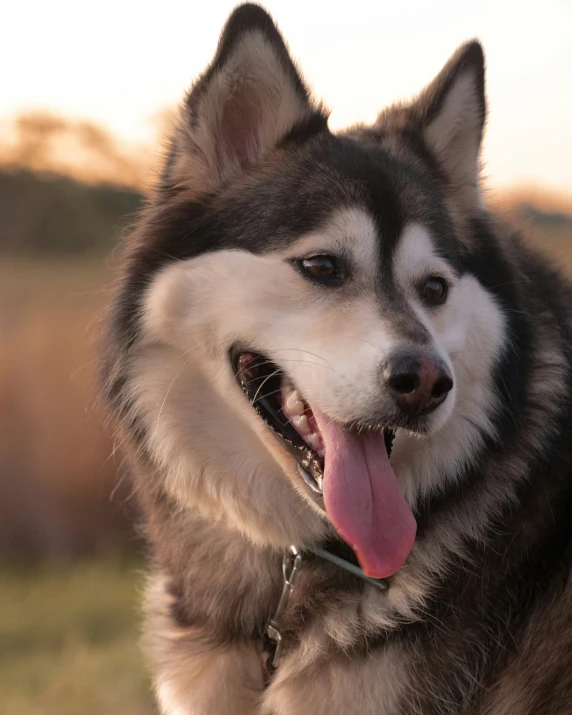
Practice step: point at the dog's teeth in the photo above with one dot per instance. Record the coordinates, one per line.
(315, 441)
(294, 404)
(311, 439)
(301, 424)
(295, 408)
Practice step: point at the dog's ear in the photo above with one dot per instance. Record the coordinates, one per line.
(452, 112)
(248, 99)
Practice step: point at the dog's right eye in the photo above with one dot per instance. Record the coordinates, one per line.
(323, 269)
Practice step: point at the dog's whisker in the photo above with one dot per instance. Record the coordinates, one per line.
(177, 375)
(262, 363)
(300, 350)
(276, 372)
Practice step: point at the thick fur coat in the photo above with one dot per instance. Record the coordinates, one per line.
(478, 620)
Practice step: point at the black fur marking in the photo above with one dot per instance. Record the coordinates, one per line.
(316, 123)
(497, 276)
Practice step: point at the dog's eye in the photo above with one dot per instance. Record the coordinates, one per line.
(324, 269)
(435, 291)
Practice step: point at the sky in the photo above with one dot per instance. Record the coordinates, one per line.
(122, 63)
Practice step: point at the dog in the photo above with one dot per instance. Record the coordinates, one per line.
(345, 390)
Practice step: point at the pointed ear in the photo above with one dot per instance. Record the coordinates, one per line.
(249, 98)
(452, 110)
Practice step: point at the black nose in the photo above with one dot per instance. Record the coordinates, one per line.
(418, 382)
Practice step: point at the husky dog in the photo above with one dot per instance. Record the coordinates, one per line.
(326, 341)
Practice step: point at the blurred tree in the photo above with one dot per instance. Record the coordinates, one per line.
(43, 214)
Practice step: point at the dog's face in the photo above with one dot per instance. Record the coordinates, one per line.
(301, 306)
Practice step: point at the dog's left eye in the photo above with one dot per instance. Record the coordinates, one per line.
(435, 290)
(324, 269)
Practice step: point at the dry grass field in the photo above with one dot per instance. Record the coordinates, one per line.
(69, 640)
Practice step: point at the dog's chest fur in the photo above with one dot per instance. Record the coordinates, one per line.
(466, 651)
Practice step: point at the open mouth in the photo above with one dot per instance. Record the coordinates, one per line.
(283, 408)
(347, 469)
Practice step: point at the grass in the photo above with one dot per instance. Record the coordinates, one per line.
(69, 640)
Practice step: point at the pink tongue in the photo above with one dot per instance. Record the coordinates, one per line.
(363, 499)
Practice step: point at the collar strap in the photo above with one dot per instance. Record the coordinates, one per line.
(326, 555)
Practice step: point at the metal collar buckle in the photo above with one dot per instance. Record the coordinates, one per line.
(291, 565)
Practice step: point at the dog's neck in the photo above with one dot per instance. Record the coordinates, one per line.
(229, 588)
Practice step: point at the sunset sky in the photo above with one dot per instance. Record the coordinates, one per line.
(121, 63)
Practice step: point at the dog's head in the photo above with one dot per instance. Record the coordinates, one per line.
(296, 301)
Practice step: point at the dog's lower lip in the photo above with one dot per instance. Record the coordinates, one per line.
(316, 485)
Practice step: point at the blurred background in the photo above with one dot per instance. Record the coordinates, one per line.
(86, 94)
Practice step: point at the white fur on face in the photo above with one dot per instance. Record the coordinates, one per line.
(217, 454)
(468, 332)
(201, 430)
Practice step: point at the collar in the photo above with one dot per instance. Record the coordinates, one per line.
(348, 566)
(292, 562)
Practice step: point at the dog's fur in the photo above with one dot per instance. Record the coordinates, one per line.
(479, 620)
